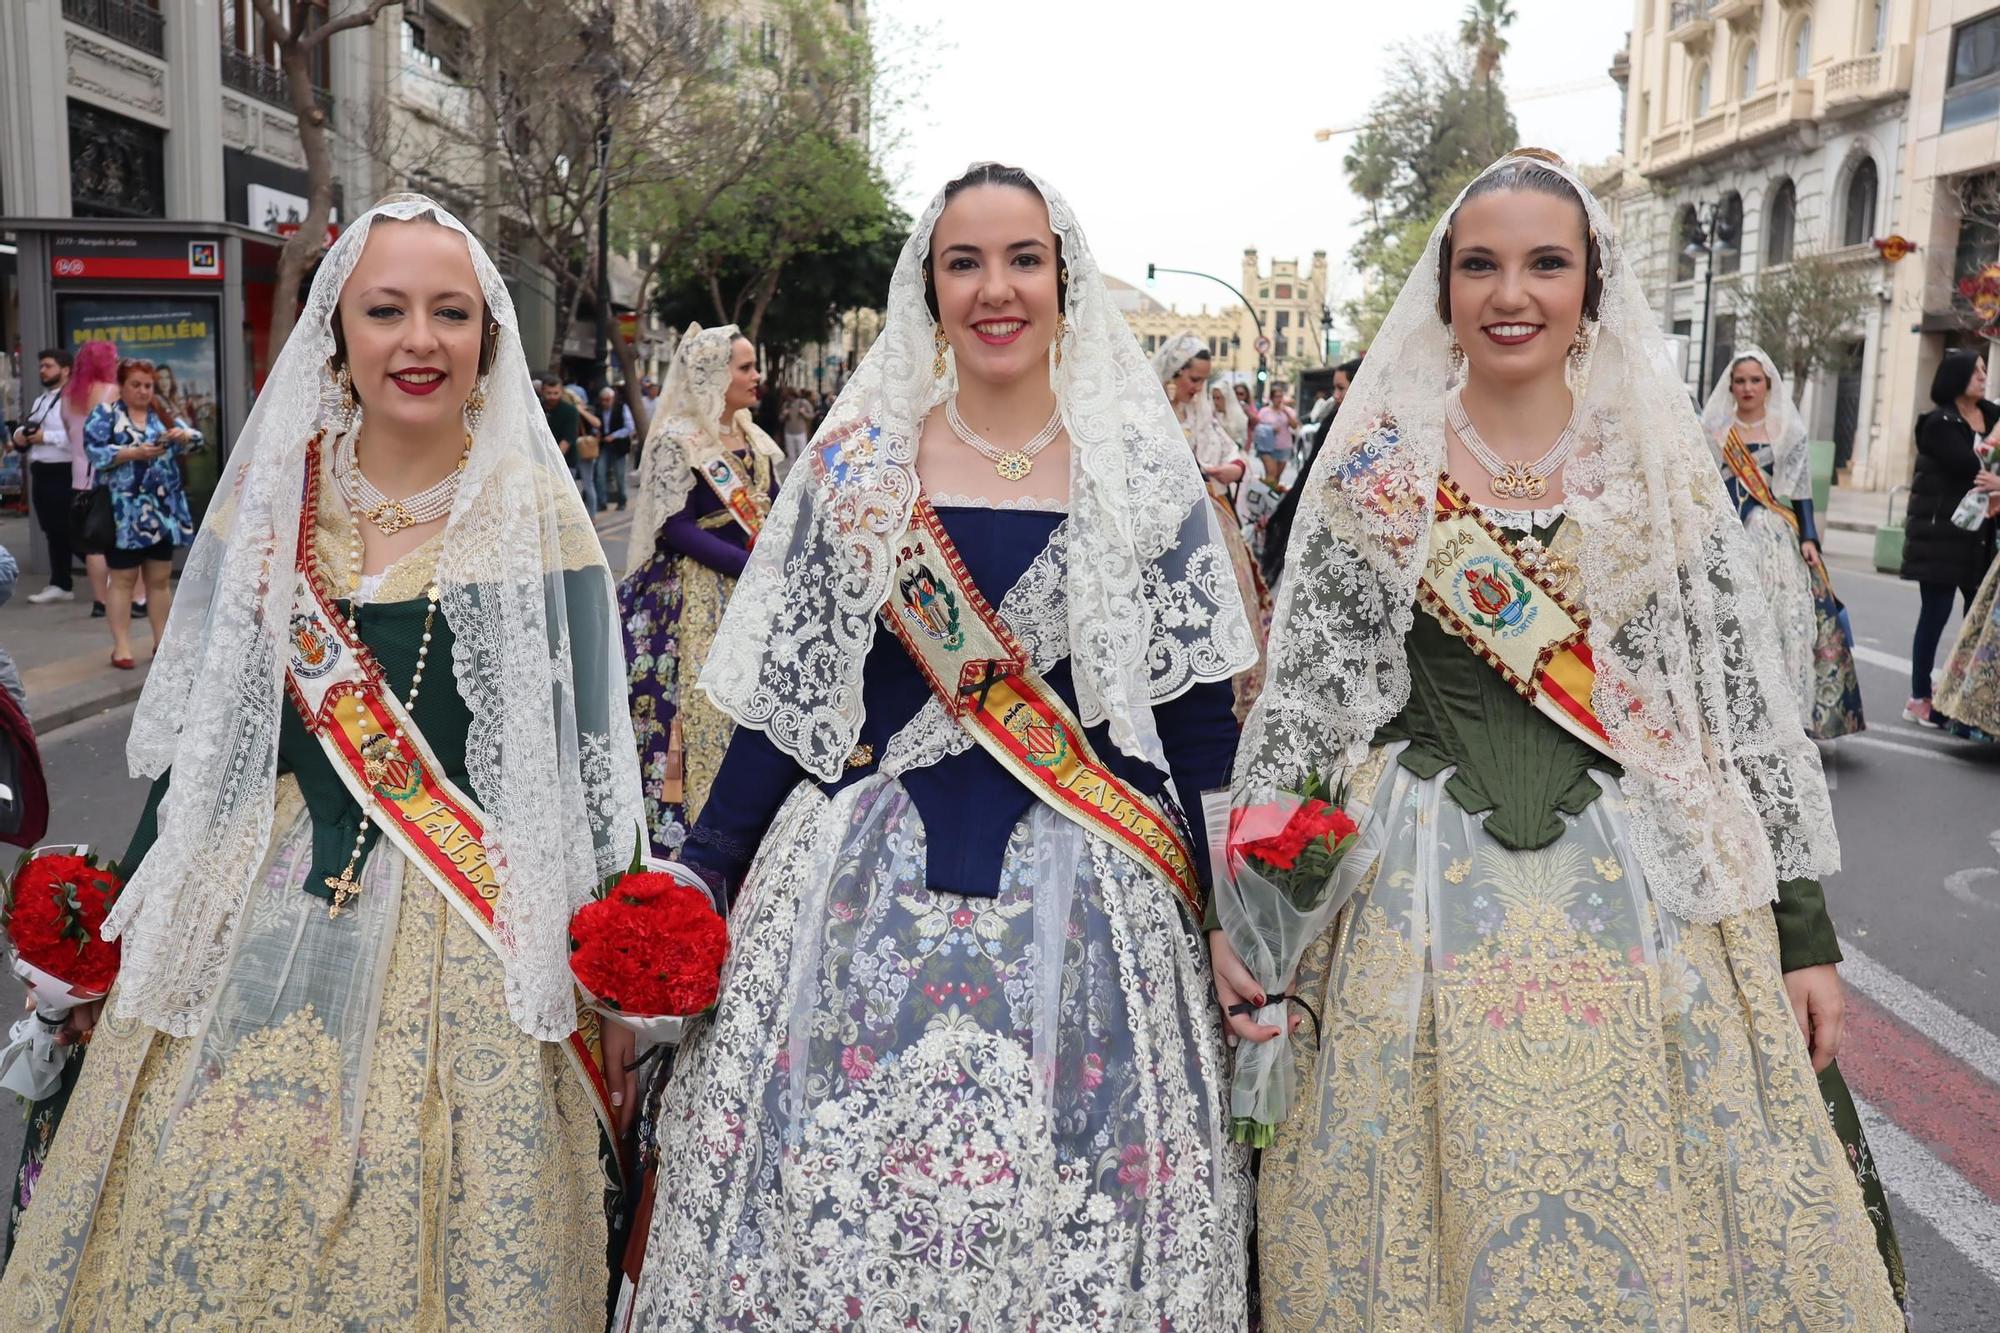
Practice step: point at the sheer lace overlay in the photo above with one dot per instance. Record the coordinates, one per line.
(1152, 607)
(1728, 795)
(537, 656)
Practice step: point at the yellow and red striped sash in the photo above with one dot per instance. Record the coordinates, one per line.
(981, 674)
(1736, 453)
(1484, 588)
(390, 770)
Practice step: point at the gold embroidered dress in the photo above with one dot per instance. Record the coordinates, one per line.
(359, 1136)
(1541, 1101)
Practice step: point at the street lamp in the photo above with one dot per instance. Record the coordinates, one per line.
(1702, 241)
(1263, 373)
(610, 87)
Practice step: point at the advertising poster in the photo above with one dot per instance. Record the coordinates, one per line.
(178, 334)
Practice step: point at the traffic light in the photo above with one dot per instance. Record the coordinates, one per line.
(1262, 374)
(1149, 273)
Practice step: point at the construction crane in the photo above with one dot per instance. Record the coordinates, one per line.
(1532, 95)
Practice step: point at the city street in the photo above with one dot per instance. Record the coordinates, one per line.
(1918, 907)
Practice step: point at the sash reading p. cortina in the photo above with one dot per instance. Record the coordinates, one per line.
(341, 695)
(981, 674)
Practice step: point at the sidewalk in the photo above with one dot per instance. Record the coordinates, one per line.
(65, 656)
(1852, 510)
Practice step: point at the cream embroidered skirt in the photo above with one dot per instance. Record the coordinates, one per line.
(359, 1138)
(1542, 1103)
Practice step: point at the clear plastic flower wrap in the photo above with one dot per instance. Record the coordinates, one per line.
(1293, 862)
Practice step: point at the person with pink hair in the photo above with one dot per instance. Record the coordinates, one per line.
(93, 380)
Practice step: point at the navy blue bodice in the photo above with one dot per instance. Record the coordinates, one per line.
(969, 803)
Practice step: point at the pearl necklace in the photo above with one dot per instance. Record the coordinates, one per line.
(390, 517)
(377, 749)
(1010, 464)
(1514, 481)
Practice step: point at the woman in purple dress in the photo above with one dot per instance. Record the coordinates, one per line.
(705, 484)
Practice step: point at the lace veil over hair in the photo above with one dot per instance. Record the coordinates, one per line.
(1791, 460)
(686, 432)
(1726, 794)
(1153, 607)
(537, 657)
(1205, 430)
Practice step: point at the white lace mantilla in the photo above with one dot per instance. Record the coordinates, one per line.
(1033, 504)
(1152, 602)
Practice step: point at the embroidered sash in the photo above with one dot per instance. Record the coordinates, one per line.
(340, 693)
(1498, 596)
(981, 674)
(1737, 454)
(734, 483)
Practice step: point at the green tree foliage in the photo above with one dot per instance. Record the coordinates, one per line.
(1433, 128)
(1801, 314)
(1482, 32)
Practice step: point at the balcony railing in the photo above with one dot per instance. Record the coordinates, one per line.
(1870, 78)
(1687, 22)
(247, 74)
(132, 22)
(1771, 112)
(1733, 10)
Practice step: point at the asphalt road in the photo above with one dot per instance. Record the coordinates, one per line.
(1917, 903)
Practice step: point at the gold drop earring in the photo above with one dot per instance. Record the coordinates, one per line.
(937, 362)
(1062, 331)
(1579, 354)
(475, 407)
(349, 408)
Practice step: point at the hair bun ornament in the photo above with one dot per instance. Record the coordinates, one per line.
(1538, 155)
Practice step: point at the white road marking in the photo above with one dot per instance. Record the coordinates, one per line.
(1904, 747)
(1876, 657)
(1952, 1032)
(1951, 1204)
(1959, 884)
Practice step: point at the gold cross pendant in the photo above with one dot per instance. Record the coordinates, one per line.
(344, 888)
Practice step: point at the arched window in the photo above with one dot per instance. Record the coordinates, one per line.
(1746, 71)
(1802, 48)
(1781, 216)
(1727, 254)
(1858, 216)
(1879, 22)
(1701, 90)
(1686, 245)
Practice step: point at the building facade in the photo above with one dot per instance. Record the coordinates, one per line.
(1291, 311)
(1951, 193)
(1757, 131)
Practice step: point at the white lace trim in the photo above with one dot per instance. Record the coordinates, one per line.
(1523, 520)
(1036, 504)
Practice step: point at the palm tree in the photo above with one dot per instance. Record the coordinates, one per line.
(1480, 32)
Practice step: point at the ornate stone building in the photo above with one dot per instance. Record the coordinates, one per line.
(1755, 131)
(1291, 305)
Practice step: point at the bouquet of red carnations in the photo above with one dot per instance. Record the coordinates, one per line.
(649, 951)
(1288, 874)
(52, 908)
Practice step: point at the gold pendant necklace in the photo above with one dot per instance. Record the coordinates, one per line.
(1008, 464)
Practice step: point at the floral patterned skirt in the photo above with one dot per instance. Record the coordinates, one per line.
(916, 1110)
(359, 1138)
(671, 607)
(1543, 1103)
(1970, 690)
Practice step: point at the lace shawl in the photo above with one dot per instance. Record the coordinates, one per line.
(1726, 793)
(1152, 605)
(537, 657)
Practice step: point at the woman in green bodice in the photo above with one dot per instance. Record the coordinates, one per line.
(1575, 976)
(344, 1080)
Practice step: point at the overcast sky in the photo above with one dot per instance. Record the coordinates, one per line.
(1181, 134)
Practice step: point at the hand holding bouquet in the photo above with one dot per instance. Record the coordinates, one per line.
(52, 909)
(649, 951)
(1288, 875)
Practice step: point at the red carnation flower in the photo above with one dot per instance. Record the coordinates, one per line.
(652, 946)
(54, 910)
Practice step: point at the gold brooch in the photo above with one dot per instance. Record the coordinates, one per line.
(861, 756)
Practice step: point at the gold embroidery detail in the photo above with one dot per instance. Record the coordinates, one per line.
(1458, 870)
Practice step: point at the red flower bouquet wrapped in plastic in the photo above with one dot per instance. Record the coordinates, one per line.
(53, 909)
(649, 950)
(1288, 874)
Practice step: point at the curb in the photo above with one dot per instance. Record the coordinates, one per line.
(1853, 525)
(63, 707)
